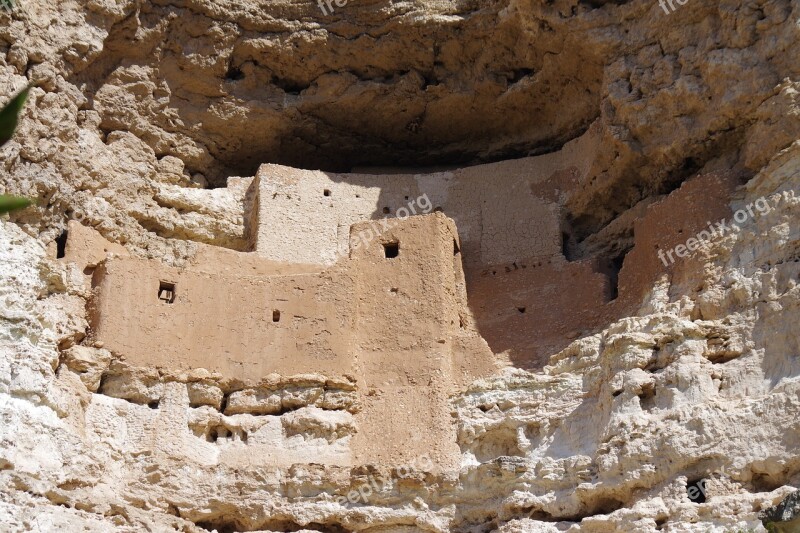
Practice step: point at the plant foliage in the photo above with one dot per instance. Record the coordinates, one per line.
(9, 117)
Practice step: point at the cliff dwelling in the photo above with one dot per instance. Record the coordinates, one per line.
(390, 286)
(490, 266)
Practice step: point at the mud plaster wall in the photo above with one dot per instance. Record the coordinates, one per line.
(528, 298)
(237, 324)
(392, 322)
(536, 307)
(305, 215)
(245, 324)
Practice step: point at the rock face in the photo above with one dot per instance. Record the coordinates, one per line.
(784, 517)
(636, 299)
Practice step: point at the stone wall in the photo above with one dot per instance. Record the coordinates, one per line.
(305, 216)
(529, 288)
(387, 315)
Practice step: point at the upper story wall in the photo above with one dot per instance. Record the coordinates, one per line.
(504, 211)
(533, 309)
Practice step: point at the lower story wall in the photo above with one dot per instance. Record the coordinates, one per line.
(244, 327)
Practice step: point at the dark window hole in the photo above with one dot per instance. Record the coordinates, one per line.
(153, 404)
(565, 246)
(521, 310)
(611, 268)
(326, 192)
(276, 316)
(391, 250)
(61, 244)
(616, 266)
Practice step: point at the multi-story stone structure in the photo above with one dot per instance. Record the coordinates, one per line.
(397, 312)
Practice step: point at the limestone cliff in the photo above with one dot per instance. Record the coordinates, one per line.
(664, 397)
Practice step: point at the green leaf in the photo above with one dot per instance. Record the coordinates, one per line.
(10, 114)
(11, 203)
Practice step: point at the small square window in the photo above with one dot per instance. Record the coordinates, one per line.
(326, 192)
(166, 292)
(276, 316)
(391, 250)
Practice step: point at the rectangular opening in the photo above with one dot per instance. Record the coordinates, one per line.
(61, 244)
(166, 292)
(276, 316)
(391, 250)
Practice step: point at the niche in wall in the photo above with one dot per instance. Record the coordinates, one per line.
(166, 292)
(391, 250)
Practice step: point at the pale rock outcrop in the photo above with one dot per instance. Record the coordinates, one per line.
(141, 104)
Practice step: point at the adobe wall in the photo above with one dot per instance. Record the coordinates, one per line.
(250, 322)
(407, 330)
(234, 323)
(529, 301)
(390, 321)
(305, 215)
(536, 307)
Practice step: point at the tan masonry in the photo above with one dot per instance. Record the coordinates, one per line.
(390, 313)
(411, 309)
(528, 300)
